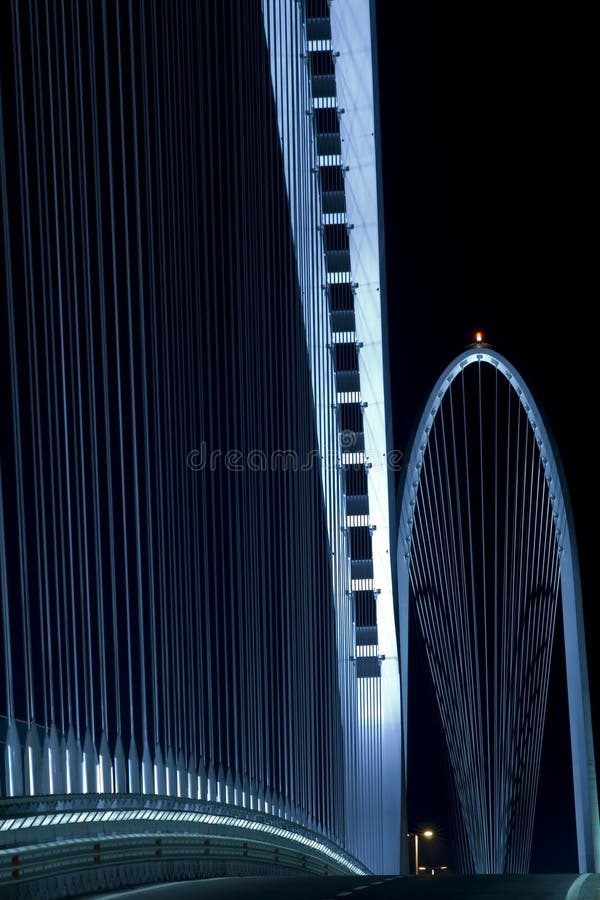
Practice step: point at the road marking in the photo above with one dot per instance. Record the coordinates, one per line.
(576, 886)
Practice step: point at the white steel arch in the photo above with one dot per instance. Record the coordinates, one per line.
(368, 667)
(582, 748)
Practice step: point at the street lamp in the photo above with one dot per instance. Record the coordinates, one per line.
(426, 834)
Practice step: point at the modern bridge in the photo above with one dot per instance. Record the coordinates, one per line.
(204, 664)
(486, 550)
(200, 664)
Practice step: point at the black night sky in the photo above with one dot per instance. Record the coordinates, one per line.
(487, 167)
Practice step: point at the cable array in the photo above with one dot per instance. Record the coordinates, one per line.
(484, 575)
(167, 596)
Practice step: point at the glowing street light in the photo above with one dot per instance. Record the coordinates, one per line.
(426, 834)
(479, 340)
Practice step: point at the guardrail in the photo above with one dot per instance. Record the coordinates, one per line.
(90, 843)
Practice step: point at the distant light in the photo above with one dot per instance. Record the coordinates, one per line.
(422, 868)
(478, 337)
(443, 867)
(428, 833)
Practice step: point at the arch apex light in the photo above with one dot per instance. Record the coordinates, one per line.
(582, 748)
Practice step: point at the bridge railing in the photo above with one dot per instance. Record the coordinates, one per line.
(97, 842)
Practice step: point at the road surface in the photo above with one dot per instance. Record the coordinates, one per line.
(511, 887)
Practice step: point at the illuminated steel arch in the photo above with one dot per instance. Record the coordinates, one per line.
(196, 592)
(486, 539)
